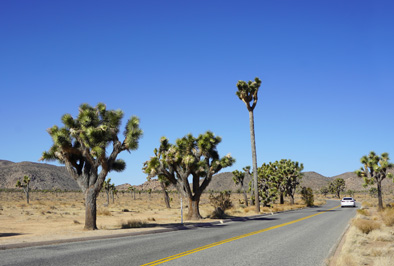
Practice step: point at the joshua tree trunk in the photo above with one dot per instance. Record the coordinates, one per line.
(27, 194)
(282, 200)
(107, 192)
(90, 209)
(291, 199)
(380, 200)
(165, 194)
(245, 196)
(194, 211)
(254, 157)
(251, 195)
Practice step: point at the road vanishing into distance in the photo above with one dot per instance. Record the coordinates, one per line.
(302, 237)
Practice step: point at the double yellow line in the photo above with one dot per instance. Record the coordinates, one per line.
(179, 255)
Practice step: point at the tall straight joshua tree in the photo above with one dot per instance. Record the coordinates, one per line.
(247, 92)
(82, 146)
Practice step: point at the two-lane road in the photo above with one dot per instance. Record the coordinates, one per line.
(302, 237)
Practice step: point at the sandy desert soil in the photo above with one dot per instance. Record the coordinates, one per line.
(370, 237)
(51, 216)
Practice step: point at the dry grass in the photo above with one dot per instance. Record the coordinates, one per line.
(363, 212)
(388, 216)
(366, 226)
(370, 238)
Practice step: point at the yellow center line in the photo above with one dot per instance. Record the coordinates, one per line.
(179, 255)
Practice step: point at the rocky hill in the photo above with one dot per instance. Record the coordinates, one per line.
(42, 176)
(224, 181)
(353, 182)
(46, 176)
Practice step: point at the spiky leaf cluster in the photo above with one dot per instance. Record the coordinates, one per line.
(85, 139)
(290, 173)
(247, 92)
(375, 168)
(24, 183)
(266, 183)
(198, 156)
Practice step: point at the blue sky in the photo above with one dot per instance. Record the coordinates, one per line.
(327, 71)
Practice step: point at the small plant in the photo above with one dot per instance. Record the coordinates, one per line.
(373, 192)
(221, 203)
(104, 212)
(366, 226)
(364, 212)
(388, 216)
(307, 196)
(132, 224)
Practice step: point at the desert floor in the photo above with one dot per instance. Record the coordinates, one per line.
(54, 216)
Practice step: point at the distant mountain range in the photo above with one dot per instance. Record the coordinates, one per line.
(49, 177)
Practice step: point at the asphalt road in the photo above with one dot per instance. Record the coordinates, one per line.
(303, 237)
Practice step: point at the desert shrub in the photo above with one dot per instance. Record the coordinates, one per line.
(307, 196)
(366, 226)
(221, 203)
(364, 212)
(132, 224)
(104, 212)
(373, 192)
(388, 216)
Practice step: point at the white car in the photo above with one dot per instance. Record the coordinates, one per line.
(348, 202)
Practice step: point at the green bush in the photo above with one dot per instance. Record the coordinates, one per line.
(307, 196)
(221, 203)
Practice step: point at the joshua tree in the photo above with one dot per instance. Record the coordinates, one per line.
(374, 170)
(149, 193)
(247, 92)
(324, 191)
(239, 178)
(267, 184)
(284, 176)
(291, 172)
(83, 146)
(350, 192)
(132, 189)
(114, 192)
(25, 185)
(190, 156)
(107, 188)
(337, 186)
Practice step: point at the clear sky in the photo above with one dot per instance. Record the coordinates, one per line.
(327, 71)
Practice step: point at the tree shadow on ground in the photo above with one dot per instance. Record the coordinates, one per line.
(9, 234)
